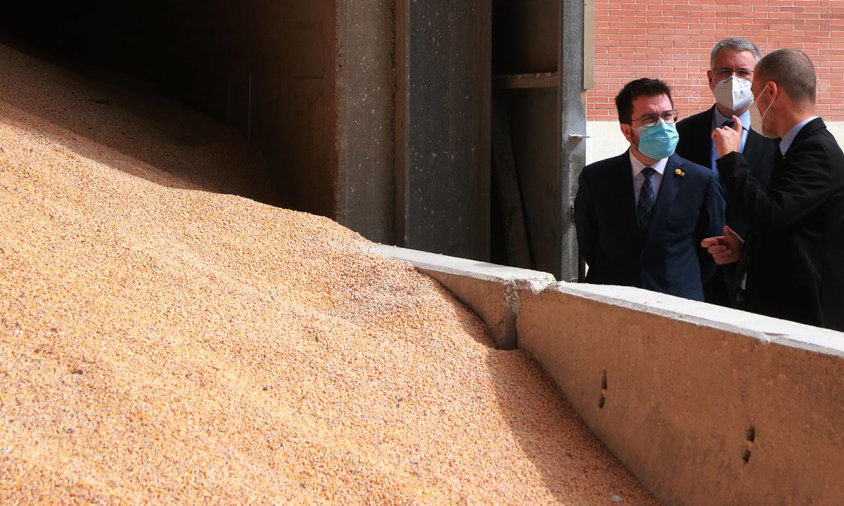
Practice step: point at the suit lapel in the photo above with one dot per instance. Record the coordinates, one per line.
(621, 188)
(808, 129)
(701, 152)
(706, 133)
(752, 145)
(756, 148)
(780, 160)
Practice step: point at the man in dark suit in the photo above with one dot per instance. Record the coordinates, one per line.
(792, 264)
(640, 216)
(730, 74)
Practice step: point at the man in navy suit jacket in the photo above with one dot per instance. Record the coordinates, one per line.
(641, 216)
(792, 263)
(731, 63)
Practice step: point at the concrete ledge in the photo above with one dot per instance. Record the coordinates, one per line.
(763, 328)
(705, 405)
(492, 291)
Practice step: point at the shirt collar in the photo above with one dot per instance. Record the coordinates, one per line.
(718, 119)
(638, 166)
(788, 138)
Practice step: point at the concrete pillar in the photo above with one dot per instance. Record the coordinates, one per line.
(365, 88)
(442, 126)
(572, 100)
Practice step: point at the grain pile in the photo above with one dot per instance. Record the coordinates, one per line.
(163, 343)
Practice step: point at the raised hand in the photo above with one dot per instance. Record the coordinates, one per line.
(725, 249)
(728, 138)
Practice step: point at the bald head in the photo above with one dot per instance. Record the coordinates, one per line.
(792, 70)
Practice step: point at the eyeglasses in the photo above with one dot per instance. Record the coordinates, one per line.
(726, 72)
(650, 119)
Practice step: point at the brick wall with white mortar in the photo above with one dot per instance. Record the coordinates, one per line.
(671, 39)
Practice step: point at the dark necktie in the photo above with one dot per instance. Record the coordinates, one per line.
(645, 206)
(741, 270)
(729, 123)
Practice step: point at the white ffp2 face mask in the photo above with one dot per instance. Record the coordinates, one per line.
(757, 117)
(733, 93)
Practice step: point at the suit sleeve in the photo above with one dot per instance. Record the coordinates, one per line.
(584, 221)
(799, 190)
(839, 234)
(710, 223)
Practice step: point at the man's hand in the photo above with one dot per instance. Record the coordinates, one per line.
(727, 139)
(725, 249)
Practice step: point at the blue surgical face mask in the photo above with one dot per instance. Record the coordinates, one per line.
(658, 141)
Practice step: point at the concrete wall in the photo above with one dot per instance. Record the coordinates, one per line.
(365, 67)
(375, 113)
(290, 56)
(442, 126)
(266, 67)
(705, 405)
(492, 291)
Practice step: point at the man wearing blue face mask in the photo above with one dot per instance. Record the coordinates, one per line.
(730, 75)
(640, 216)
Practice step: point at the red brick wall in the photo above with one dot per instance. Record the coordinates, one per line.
(671, 40)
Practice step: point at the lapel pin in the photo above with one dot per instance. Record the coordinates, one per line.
(678, 172)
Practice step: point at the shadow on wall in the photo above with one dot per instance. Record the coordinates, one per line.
(130, 120)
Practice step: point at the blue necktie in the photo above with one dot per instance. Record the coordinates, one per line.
(645, 206)
(728, 123)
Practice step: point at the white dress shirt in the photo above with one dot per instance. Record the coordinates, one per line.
(639, 179)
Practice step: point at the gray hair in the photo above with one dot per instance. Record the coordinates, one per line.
(735, 43)
(792, 70)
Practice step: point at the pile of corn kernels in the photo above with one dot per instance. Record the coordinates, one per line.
(166, 338)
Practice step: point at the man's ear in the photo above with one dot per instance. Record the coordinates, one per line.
(773, 89)
(709, 80)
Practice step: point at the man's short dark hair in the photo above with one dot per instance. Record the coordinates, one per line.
(792, 70)
(635, 89)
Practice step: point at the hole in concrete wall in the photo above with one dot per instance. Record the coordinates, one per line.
(750, 438)
(746, 456)
(603, 398)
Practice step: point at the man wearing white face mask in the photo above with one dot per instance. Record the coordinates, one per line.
(791, 265)
(730, 75)
(641, 215)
